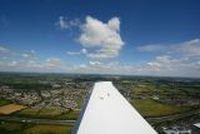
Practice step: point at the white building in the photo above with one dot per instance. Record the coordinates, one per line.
(196, 128)
(176, 130)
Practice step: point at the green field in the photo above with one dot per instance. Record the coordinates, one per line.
(49, 113)
(40, 113)
(71, 115)
(3, 102)
(151, 108)
(22, 128)
(48, 129)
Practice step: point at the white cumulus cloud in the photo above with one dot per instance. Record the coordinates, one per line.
(103, 38)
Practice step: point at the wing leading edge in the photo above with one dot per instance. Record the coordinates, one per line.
(108, 112)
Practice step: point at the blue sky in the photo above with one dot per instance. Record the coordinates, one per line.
(117, 37)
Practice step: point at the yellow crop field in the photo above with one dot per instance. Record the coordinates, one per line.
(10, 108)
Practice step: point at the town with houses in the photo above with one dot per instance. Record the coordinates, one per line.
(52, 99)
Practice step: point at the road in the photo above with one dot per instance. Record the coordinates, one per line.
(72, 122)
(173, 117)
(37, 121)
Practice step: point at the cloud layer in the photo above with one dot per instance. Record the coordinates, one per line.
(101, 42)
(151, 48)
(28, 61)
(63, 23)
(168, 64)
(188, 48)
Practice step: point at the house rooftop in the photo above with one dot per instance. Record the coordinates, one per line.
(197, 125)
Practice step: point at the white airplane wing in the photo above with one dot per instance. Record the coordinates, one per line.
(108, 112)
